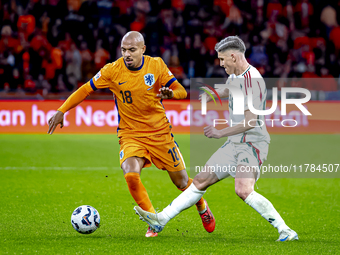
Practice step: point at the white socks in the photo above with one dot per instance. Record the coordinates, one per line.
(191, 195)
(265, 208)
(186, 199)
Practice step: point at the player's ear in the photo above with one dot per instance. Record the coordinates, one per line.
(233, 56)
(144, 48)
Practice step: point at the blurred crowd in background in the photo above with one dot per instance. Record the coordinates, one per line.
(54, 46)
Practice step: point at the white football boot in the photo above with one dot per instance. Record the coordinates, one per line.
(149, 218)
(287, 235)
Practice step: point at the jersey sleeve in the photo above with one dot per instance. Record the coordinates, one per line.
(103, 78)
(76, 98)
(179, 91)
(166, 77)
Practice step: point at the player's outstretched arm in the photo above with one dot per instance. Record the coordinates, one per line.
(250, 118)
(72, 101)
(223, 93)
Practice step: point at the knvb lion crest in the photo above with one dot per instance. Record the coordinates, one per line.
(149, 79)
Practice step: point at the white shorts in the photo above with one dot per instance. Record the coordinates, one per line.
(226, 159)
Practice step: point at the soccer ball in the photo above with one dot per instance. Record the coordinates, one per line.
(85, 219)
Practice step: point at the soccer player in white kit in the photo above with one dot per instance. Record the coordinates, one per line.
(242, 154)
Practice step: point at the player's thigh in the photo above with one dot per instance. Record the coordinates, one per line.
(165, 153)
(223, 162)
(250, 157)
(245, 179)
(135, 150)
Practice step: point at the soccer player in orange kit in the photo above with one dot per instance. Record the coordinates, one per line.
(139, 84)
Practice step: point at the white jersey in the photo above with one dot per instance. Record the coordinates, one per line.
(250, 79)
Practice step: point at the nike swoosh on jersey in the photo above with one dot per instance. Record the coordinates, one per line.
(121, 83)
(177, 165)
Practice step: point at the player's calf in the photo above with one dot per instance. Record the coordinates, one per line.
(265, 208)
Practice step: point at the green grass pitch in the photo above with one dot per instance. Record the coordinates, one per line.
(44, 178)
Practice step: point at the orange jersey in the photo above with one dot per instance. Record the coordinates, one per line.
(141, 112)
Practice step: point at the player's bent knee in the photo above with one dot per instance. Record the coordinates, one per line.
(203, 180)
(132, 165)
(181, 183)
(243, 194)
(180, 179)
(130, 169)
(243, 191)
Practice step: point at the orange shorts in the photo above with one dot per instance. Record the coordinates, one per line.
(161, 150)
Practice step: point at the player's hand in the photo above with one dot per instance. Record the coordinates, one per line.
(165, 93)
(212, 132)
(208, 97)
(54, 121)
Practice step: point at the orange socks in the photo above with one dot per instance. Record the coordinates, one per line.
(138, 191)
(200, 204)
(139, 194)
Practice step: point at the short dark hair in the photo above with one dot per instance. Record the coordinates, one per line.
(231, 42)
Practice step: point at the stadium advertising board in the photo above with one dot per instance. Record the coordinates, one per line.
(102, 117)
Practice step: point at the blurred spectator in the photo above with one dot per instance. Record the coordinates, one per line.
(101, 56)
(303, 10)
(61, 86)
(328, 17)
(29, 84)
(274, 8)
(8, 42)
(73, 64)
(26, 62)
(57, 57)
(87, 62)
(65, 44)
(44, 20)
(26, 24)
(176, 68)
(73, 5)
(49, 67)
(104, 10)
(56, 45)
(334, 38)
(16, 80)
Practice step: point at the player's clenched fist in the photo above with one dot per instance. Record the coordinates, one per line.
(165, 93)
(54, 121)
(211, 132)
